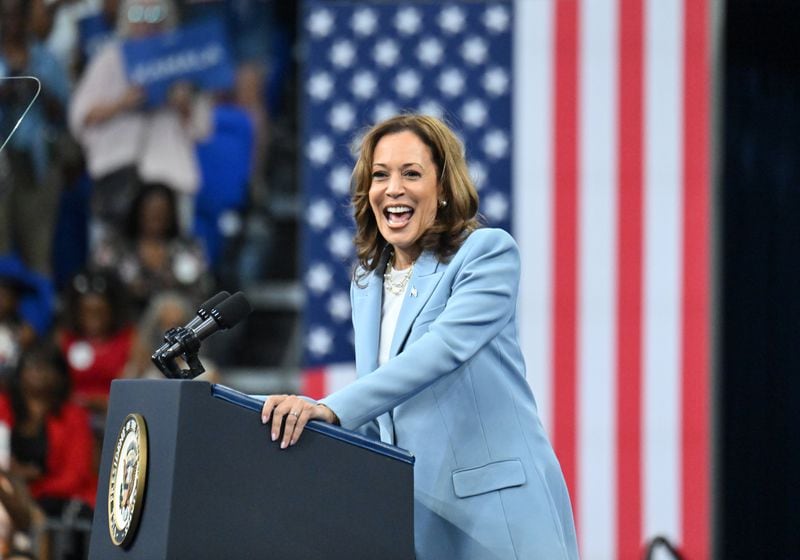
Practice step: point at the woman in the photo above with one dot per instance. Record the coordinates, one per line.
(96, 338)
(440, 369)
(123, 137)
(151, 255)
(51, 440)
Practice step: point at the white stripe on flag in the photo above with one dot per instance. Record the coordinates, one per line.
(338, 376)
(663, 204)
(532, 172)
(597, 219)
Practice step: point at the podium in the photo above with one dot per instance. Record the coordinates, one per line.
(213, 485)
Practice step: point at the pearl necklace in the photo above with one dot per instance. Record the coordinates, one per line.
(391, 286)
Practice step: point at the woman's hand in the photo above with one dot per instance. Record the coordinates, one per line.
(133, 97)
(294, 413)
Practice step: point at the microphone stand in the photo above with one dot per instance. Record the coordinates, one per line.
(190, 346)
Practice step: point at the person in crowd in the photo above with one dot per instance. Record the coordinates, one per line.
(51, 439)
(440, 369)
(124, 138)
(152, 256)
(166, 311)
(17, 329)
(29, 172)
(95, 338)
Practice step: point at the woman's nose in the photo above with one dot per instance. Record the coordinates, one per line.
(395, 186)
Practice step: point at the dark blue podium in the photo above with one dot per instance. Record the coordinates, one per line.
(216, 486)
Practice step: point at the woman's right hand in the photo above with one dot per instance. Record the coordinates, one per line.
(293, 413)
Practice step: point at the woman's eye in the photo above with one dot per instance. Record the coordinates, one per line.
(378, 174)
(413, 174)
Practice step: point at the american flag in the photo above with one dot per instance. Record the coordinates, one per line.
(604, 170)
(364, 63)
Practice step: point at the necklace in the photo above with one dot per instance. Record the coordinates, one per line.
(396, 287)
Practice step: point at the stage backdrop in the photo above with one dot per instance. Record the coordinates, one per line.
(586, 126)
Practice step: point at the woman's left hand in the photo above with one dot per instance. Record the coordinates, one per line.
(294, 413)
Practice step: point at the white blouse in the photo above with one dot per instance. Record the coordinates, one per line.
(390, 312)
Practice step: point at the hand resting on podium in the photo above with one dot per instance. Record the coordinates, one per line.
(293, 413)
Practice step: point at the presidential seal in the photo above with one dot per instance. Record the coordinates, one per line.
(127, 481)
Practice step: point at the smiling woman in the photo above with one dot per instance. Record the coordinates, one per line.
(440, 371)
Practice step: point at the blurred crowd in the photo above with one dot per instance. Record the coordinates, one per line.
(116, 216)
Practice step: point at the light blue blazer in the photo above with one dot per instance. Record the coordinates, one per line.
(487, 483)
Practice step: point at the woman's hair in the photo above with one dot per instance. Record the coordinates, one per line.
(45, 354)
(147, 190)
(453, 222)
(149, 325)
(103, 282)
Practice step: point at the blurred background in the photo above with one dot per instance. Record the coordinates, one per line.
(642, 152)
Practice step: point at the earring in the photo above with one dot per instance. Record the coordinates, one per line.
(442, 203)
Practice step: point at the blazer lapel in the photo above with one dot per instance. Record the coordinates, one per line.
(367, 304)
(424, 278)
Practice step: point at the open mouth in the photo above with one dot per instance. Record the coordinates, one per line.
(398, 215)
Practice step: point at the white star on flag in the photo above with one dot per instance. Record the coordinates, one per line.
(407, 83)
(339, 306)
(341, 116)
(451, 19)
(432, 108)
(451, 82)
(319, 278)
(319, 150)
(319, 215)
(407, 21)
(364, 22)
(320, 23)
(340, 243)
(474, 50)
(342, 54)
(495, 144)
(386, 52)
(339, 180)
(496, 19)
(430, 51)
(363, 84)
(384, 110)
(319, 341)
(320, 86)
(474, 113)
(478, 173)
(495, 206)
(495, 81)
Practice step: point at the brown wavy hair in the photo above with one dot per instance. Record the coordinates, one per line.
(453, 223)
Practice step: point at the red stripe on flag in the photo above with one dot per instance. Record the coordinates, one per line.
(695, 359)
(629, 296)
(565, 140)
(313, 383)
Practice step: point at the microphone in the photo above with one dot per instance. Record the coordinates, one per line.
(223, 316)
(203, 313)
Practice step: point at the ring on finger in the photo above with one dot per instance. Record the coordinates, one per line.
(295, 414)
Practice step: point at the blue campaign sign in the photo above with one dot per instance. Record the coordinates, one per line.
(93, 31)
(199, 54)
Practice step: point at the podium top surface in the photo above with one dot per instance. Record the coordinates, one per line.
(336, 432)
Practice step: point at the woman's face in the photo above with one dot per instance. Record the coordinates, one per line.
(40, 382)
(94, 315)
(404, 192)
(155, 215)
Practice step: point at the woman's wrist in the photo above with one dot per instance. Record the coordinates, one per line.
(330, 415)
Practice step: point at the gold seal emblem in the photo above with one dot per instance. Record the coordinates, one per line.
(127, 481)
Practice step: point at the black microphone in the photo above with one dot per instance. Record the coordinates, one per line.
(203, 313)
(221, 317)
